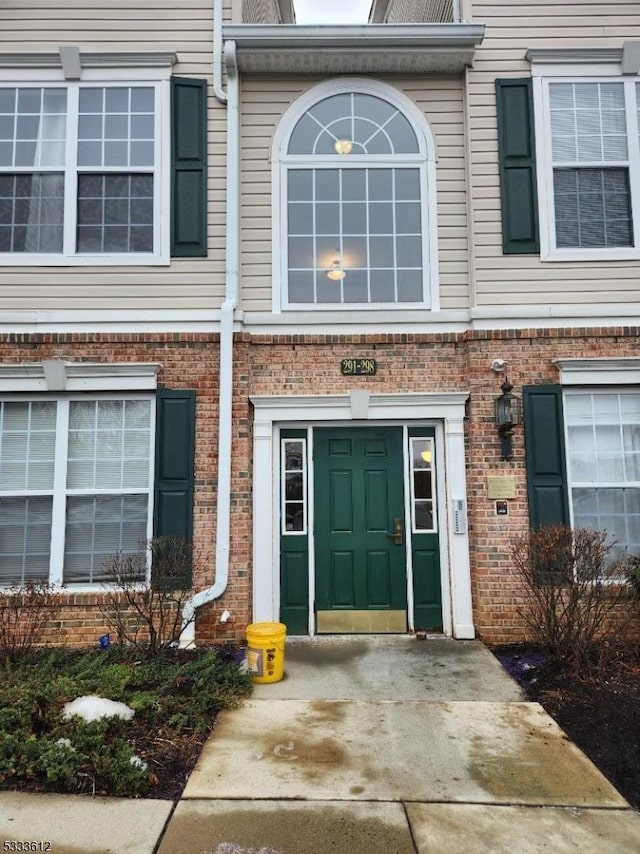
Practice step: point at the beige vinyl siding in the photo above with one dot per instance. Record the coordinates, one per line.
(184, 27)
(260, 12)
(513, 26)
(265, 100)
(416, 11)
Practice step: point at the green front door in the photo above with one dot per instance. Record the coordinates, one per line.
(359, 512)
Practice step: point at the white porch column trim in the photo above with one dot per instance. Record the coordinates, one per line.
(265, 583)
(461, 607)
(445, 408)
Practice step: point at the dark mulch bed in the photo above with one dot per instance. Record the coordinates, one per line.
(601, 714)
(170, 759)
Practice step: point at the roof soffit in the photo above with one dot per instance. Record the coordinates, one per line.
(359, 49)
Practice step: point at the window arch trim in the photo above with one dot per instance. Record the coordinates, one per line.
(355, 85)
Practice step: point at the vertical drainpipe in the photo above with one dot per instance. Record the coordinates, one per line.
(223, 515)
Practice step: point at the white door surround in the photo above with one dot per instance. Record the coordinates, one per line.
(444, 410)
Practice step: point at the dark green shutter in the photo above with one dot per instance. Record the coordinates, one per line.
(517, 159)
(188, 167)
(174, 477)
(545, 454)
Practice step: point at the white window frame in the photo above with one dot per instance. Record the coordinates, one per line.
(283, 479)
(544, 166)
(434, 496)
(425, 161)
(60, 491)
(159, 80)
(571, 484)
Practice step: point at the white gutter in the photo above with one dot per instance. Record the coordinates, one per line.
(469, 188)
(223, 511)
(331, 36)
(218, 91)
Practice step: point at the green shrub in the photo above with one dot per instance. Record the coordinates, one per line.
(175, 695)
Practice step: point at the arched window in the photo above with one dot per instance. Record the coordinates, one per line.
(354, 173)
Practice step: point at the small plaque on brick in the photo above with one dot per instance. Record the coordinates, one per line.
(358, 367)
(501, 487)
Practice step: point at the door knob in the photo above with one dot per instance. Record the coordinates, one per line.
(398, 530)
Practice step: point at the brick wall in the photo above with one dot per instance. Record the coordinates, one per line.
(299, 364)
(186, 361)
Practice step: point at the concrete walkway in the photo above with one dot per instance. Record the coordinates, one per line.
(375, 745)
(370, 745)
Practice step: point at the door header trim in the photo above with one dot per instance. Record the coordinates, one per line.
(339, 407)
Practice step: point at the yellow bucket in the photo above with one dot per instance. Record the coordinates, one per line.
(265, 651)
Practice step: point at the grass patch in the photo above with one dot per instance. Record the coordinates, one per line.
(176, 696)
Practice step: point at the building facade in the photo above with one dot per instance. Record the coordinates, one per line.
(261, 285)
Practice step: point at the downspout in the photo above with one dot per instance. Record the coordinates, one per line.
(218, 91)
(227, 311)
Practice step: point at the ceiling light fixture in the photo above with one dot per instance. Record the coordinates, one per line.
(343, 146)
(335, 272)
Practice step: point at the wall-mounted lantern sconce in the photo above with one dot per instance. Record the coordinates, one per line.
(508, 416)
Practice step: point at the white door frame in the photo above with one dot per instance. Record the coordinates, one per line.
(360, 406)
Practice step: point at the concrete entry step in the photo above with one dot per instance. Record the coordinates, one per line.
(470, 752)
(400, 667)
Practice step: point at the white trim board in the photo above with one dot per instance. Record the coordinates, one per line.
(110, 321)
(54, 375)
(583, 372)
(90, 59)
(321, 323)
(445, 410)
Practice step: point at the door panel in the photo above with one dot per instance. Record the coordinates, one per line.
(341, 501)
(343, 579)
(426, 588)
(378, 579)
(376, 500)
(358, 495)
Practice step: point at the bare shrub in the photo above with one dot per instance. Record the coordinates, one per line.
(25, 613)
(148, 616)
(574, 584)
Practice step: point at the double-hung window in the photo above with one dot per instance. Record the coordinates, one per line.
(75, 485)
(603, 457)
(355, 201)
(84, 172)
(589, 172)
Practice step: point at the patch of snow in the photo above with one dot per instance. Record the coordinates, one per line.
(92, 708)
(65, 742)
(139, 763)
